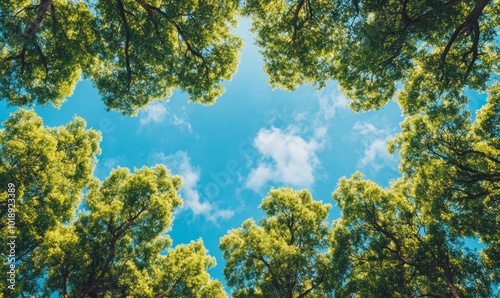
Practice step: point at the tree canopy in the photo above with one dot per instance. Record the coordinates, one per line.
(453, 163)
(384, 245)
(137, 51)
(285, 254)
(430, 48)
(433, 232)
(80, 237)
(50, 168)
(134, 51)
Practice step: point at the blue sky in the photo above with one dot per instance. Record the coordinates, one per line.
(230, 154)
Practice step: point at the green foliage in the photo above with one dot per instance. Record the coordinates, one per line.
(107, 241)
(113, 248)
(49, 167)
(81, 237)
(296, 40)
(409, 240)
(147, 48)
(135, 51)
(118, 233)
(44, 47)
(385, 246)
(182, 273)
(453, 163)
(285, 255)
(431, 47)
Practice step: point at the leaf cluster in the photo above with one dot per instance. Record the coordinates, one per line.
(134, 51)
(80, 237)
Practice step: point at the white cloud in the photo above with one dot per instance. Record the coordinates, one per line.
(375, 153)
(366, 128)
(329, 104)
(285, 155)
(155, 112)
(224, 214)
(286, 158)
(182, 121)
(179, 163)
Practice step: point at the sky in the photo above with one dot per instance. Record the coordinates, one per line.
(232, 153)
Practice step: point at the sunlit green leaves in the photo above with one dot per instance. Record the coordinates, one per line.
(81, 237)
(117, 233)
(285, 254)
(147, 49)
(296, 40)
(45, 45)
(372, 47)
(182, 273)
(135, 51)
(453, 163)
(383, 245)
(50, 168)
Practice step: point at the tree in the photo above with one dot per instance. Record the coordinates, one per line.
(150, 47)
(114, 247)
(453, 163)
(432, 48)
(116, 234)
(285, 255)
(414, 238)
(182, 273)
(385, 246)
(135, 51)
(44, 48)
(296, 40)
(49, 168)
(79, 237)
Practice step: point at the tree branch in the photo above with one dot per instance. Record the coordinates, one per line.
(121, 10)
(273, 276)
(471, 21)
(186, 40)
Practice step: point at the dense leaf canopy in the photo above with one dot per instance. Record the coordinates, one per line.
(49, 168)
(370, 47)
(453, 163)
(106, 241)
(433, 232)
(285, 254)
(385, 246)
(135, 51)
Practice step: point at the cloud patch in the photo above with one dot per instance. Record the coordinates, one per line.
(179, 163)
(330, 103)
(156, 112)
(375, 153)
(286, 158)
(182, 121)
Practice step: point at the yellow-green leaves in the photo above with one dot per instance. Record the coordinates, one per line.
(385, 246)
(135, 51)
(45, 46)
(147, 49)
(371, 47)
(452, 163)
(117, 234)
(50, 168)
(296, 39)
(182, 273)
(109, 241)
(283, 256)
